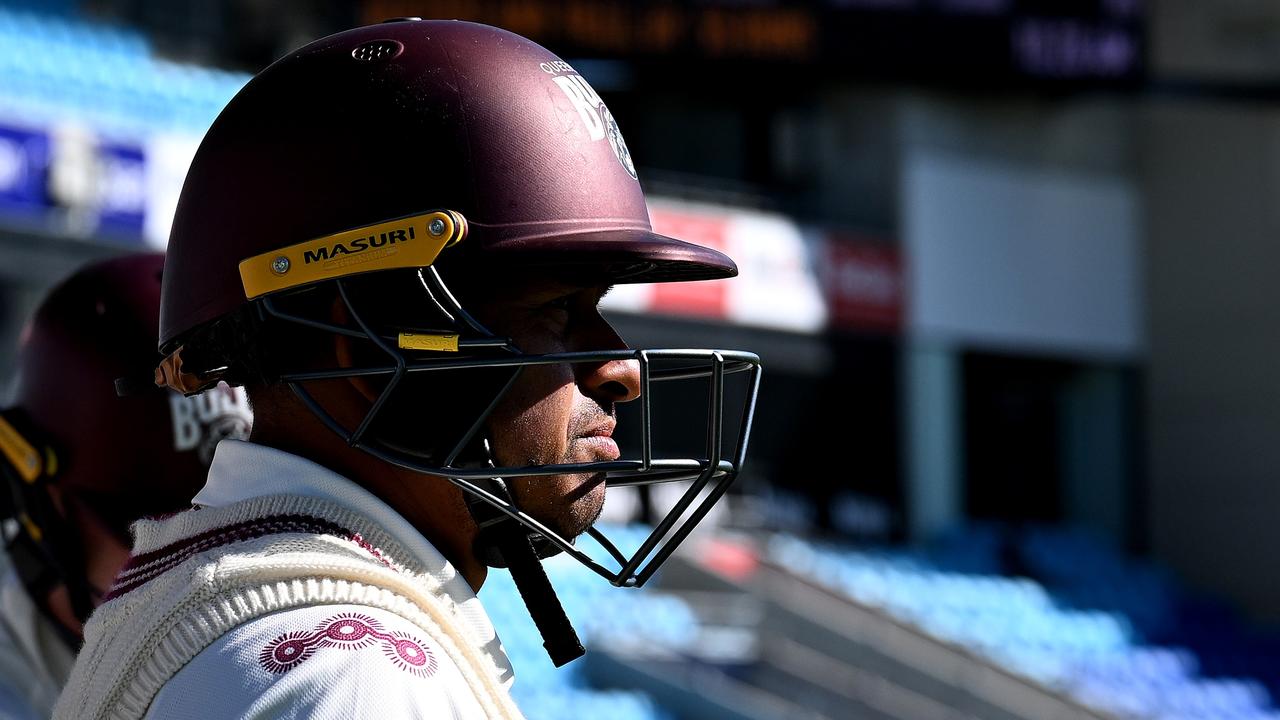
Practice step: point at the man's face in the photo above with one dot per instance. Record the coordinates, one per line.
(558, 413)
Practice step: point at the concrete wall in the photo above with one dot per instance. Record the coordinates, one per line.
(1021, 225)
(1211, 174)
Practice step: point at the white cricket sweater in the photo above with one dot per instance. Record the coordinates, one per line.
(315, 602)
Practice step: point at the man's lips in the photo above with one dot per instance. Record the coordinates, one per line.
(598, 440)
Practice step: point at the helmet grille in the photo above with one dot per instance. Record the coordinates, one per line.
(375, 50)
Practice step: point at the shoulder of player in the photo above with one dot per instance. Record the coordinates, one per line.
(347, 661)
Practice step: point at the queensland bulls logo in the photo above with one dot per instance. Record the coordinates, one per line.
(200, 421)
(595, 116)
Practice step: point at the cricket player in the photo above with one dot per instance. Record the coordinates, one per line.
(396, 239)
(81, 464)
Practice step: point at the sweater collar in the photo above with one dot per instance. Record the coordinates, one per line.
(243, 470)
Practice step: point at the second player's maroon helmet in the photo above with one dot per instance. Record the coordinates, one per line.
(110, 460)
(142, 454)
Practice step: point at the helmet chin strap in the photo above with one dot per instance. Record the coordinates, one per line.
(503, 542)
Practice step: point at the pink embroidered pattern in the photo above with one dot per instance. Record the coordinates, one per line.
(350, 631)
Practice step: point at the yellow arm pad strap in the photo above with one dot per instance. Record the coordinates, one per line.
(20, 453)
(407, 242)
(31, 527)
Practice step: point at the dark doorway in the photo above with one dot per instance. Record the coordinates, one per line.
(837, 439)
(1014, 454)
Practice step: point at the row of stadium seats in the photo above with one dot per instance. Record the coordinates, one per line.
(1084, 572)
(62, 32)
(54, 69)
(1063, 609)
(603, 615)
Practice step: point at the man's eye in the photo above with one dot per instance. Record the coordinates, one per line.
(560, 303)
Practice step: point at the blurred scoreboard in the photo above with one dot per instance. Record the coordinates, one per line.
(976, 42)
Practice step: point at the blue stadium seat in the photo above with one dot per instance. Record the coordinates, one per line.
(602, 614)
(60, 68)
(1114, 633)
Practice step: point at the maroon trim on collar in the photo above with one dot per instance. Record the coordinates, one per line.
(142, 568)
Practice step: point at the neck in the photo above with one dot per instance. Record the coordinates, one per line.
(58, 603)
(103, 553)
(431, 504)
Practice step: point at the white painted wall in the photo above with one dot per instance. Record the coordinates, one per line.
(1001, 254)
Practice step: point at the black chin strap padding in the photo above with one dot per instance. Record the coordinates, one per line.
(558, 635)
(504, 542)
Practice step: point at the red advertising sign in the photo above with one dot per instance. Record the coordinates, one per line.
(862, 279)
(706, 298)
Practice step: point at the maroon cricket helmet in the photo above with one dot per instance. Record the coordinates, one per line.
(124, 457)
(389, 120)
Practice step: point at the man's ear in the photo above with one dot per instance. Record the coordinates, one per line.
(346, 352)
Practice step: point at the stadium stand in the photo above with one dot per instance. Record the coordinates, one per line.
(55, 69)
(603, 616)
(1062, 608)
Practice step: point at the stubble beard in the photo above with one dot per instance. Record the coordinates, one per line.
(573, 503)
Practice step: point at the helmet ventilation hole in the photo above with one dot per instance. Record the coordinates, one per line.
(376, 50)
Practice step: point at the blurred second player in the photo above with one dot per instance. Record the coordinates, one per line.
(81, 463)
